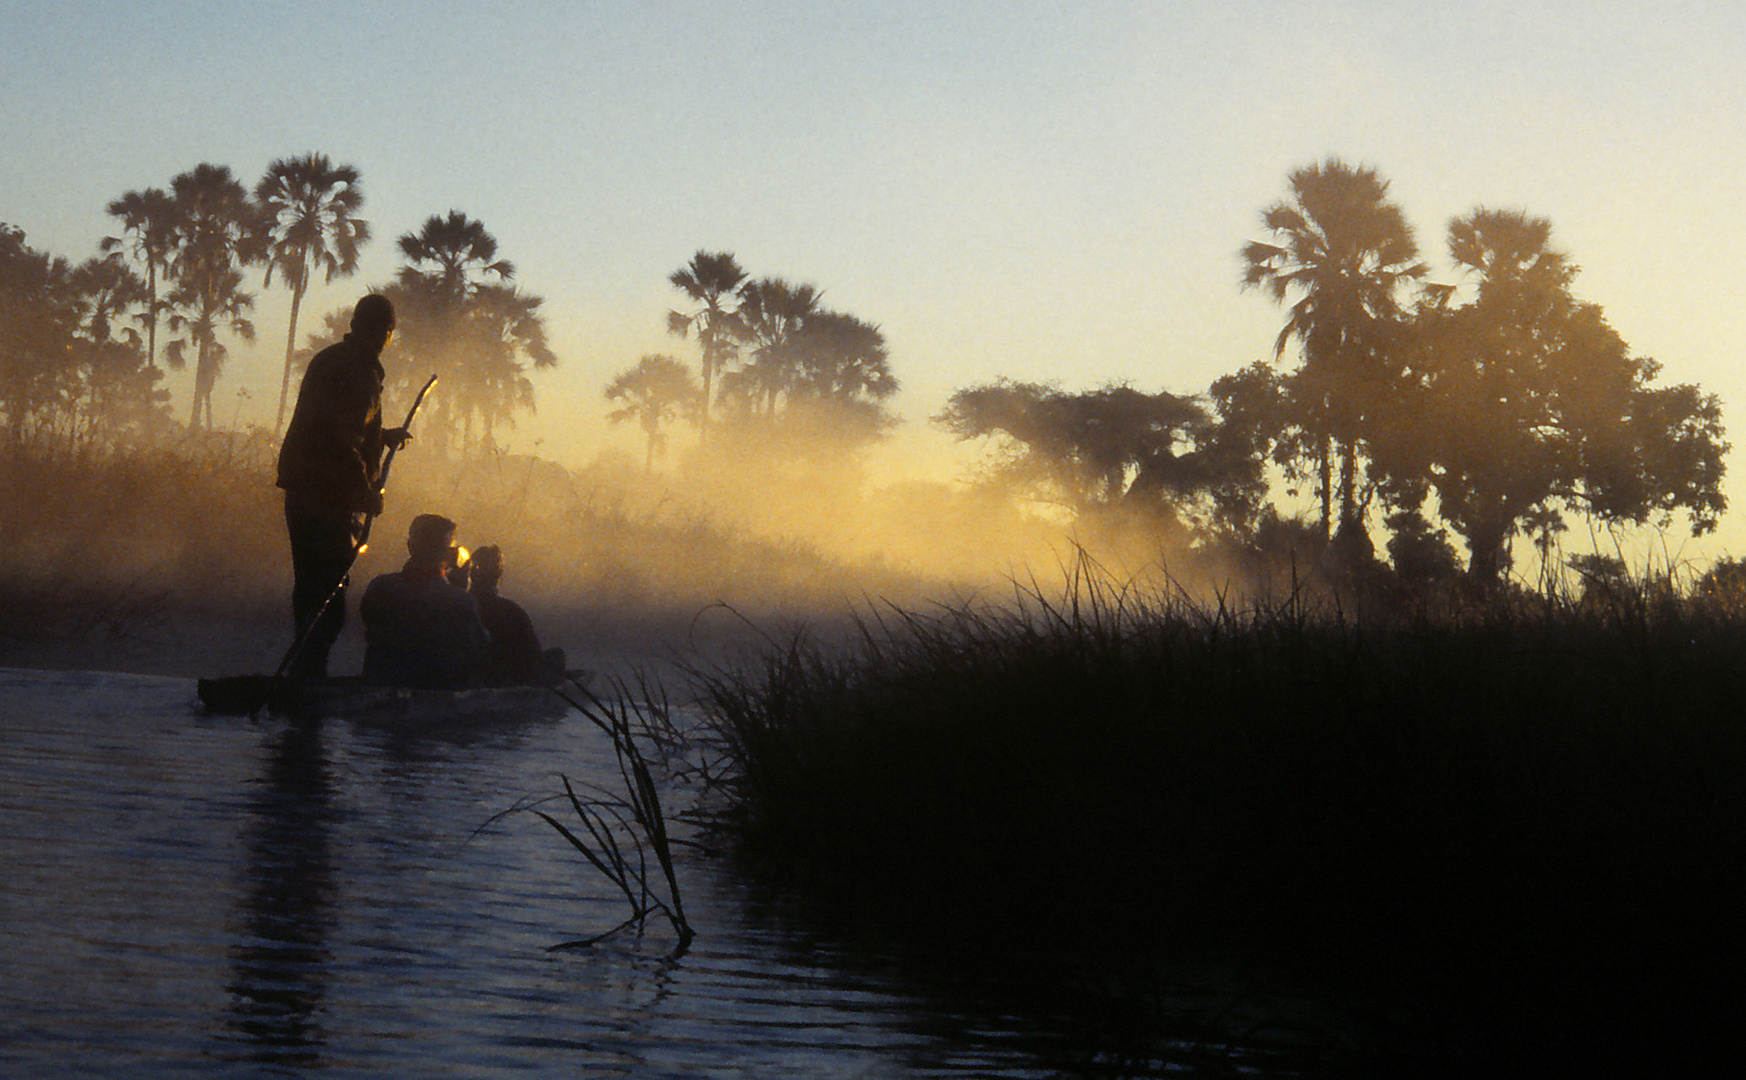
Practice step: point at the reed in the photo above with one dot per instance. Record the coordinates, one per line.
(618, 830)
(1525, 814)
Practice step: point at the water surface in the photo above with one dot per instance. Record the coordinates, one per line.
(215, 896)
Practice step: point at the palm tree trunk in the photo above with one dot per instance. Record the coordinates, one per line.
(1325, 469)
(152, 311)
(1348, 482)
(703, 409)
(290, 343)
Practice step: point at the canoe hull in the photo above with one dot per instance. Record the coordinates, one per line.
(237, 695)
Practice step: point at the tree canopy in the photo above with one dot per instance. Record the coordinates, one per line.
(1524, 400)
(461, 320)
(73, 372)
(309, 210)
(777, 364)
(1116, 447)
(1493, 405)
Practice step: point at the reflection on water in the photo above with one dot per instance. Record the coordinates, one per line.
(279, 965)
(186, 895)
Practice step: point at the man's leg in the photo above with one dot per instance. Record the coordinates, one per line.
(321, 556)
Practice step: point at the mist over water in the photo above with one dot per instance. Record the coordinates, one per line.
(174, 559)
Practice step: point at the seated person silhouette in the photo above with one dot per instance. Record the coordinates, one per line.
(514, 657)
(419, 629)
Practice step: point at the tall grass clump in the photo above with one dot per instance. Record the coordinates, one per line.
(621, 830)
(1527, 816)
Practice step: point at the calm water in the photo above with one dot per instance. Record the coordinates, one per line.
(212, 896)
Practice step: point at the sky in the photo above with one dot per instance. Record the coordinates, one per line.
(1042, 191)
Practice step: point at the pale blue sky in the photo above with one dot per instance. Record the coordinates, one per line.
(1041, 190)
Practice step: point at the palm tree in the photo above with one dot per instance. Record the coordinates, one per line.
(771, 316)
(843, 358)
(1346, 252)
(217, 231)
(148, 222)
(117, 391)
(471, 332)
(708, 280)
(657, 391)
(200, 312)
(503, 326)
(104, 289)
(309, 205)
(457, 248)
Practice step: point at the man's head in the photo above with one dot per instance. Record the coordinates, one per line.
(430, 541)
(487, 566)
(373, 318)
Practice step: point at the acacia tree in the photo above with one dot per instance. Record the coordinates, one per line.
(310, 207)
(148, 222)
(709, 280)
(1345, 252)
(1116, 447)
(656, 391)
(217, 232)
(1526, 400)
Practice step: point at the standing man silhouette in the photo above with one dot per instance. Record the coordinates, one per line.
(330, 466)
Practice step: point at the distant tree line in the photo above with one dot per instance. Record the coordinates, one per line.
(774, 363)
(1500, 408)
(1494, 405)
(80, 346)
(72, 369)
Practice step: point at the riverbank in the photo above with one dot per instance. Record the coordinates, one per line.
(1518, 825)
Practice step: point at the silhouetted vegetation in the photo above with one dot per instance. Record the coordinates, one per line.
(73, 376)
(656, 392)
(1514, 828)
(785, 375)
(618, 830)
(1155, 456)
(1345, 252)
(1497, 417)
(1496, 407)
(1512, 409)
(216, 231)
(478, 337)
(310, 207)
(179, 264)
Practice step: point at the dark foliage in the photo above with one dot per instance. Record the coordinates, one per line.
(1520, 823)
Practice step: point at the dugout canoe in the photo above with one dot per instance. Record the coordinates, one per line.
(350, 698)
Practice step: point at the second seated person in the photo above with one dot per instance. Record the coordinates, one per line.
(419, 629)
